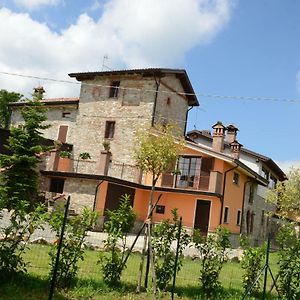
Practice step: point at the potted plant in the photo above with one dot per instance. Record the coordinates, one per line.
(106, 145)
(65, 163)
(82, 156)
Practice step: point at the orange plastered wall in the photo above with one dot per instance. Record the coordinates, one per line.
(186, 205)
(101, 196)
(233, 199)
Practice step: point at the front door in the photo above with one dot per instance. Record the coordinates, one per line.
(202, 216)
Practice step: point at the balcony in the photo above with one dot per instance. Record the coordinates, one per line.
(211, 182)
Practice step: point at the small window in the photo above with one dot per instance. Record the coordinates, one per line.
(66, 114)
(226, 214)
(272, 182)
(109, 129)
(57, 185)
(114, 89)
(252, 222)
(262, 220)
(238, 217)
(251, 193)
(236, 178)
(62, 133)
(160, 209)
(168, 101)
(265, 173)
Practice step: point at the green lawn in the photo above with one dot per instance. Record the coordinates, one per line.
(90, 284)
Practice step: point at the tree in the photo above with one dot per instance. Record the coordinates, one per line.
(156, 153)
(5, 98)
(20, 177)
(286, 195)
(19, 189)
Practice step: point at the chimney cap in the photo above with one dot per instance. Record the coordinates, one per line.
(39, 89)
(232, 128)
(236, 143)
(219, 124)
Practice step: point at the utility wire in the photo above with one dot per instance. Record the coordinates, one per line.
(206, 95)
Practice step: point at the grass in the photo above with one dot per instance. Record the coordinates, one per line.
(90, 285)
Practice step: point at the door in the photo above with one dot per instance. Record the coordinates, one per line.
(113, 195)
(202, 216)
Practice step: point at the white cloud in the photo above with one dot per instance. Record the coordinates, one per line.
(134, 34)
(33, 4)
(288, 164)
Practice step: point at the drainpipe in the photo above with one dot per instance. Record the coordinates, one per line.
(157, 83)
(223, 193)
(96, 194)
(242, 215)
(186, 116)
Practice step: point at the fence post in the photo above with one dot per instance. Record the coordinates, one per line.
(176, 257)
(266, 269)
(53, 281)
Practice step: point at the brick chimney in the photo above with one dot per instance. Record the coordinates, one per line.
(231, 133)
(218, 136)
(235, 148)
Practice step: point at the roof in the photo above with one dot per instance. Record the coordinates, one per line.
(266, 160)
(50, 102)
(153, 72)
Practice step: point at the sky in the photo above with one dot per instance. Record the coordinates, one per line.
(246, 52)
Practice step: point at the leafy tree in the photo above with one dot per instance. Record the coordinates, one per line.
(252, 263)
(19, 189)
(118, 225)
(212, 252)
(286, 195)
(19, 176)
(5, 98)
(156, 153)
(289, 261)
(72, 250)
(164, 234)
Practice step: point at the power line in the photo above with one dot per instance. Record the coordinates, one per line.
(205, 95)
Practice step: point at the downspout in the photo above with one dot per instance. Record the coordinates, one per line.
(96, 194)
(223, 193)
(186, 116)
(157, 83)
(242, 215)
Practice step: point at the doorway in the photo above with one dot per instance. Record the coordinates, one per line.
(202, 216)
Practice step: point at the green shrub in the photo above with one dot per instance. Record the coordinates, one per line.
(163, 235)
(72, 250)
(118, 225)
(212, 252)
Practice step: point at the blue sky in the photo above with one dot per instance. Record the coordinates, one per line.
(229, 48)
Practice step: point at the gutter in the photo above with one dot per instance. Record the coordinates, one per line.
(155, 99)
(96, 194)
(223, 193)
(186, 117)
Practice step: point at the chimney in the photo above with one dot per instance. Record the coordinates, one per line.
(235, 148)
(231, 133)
(38, 93)
(218, 136)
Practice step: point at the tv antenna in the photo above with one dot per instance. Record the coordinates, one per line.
(105, 58)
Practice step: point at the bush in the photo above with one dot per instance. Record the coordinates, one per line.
(15, 238)
(289, 262)
(212, 252)
(252, 264)
(163, 235)
(118, 225)
(72, 250)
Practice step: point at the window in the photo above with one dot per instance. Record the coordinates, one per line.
(272, 182)
(57, 185)
(160, 209)
(168, 101)
(262, 221)
(226, 214)
(236, 178)
(109, 129)
(265, 173)
(189, 167)
(252, 222)
(238, 217)
(62, 133)
(251, 193)
(66, 114)
(114, 89)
